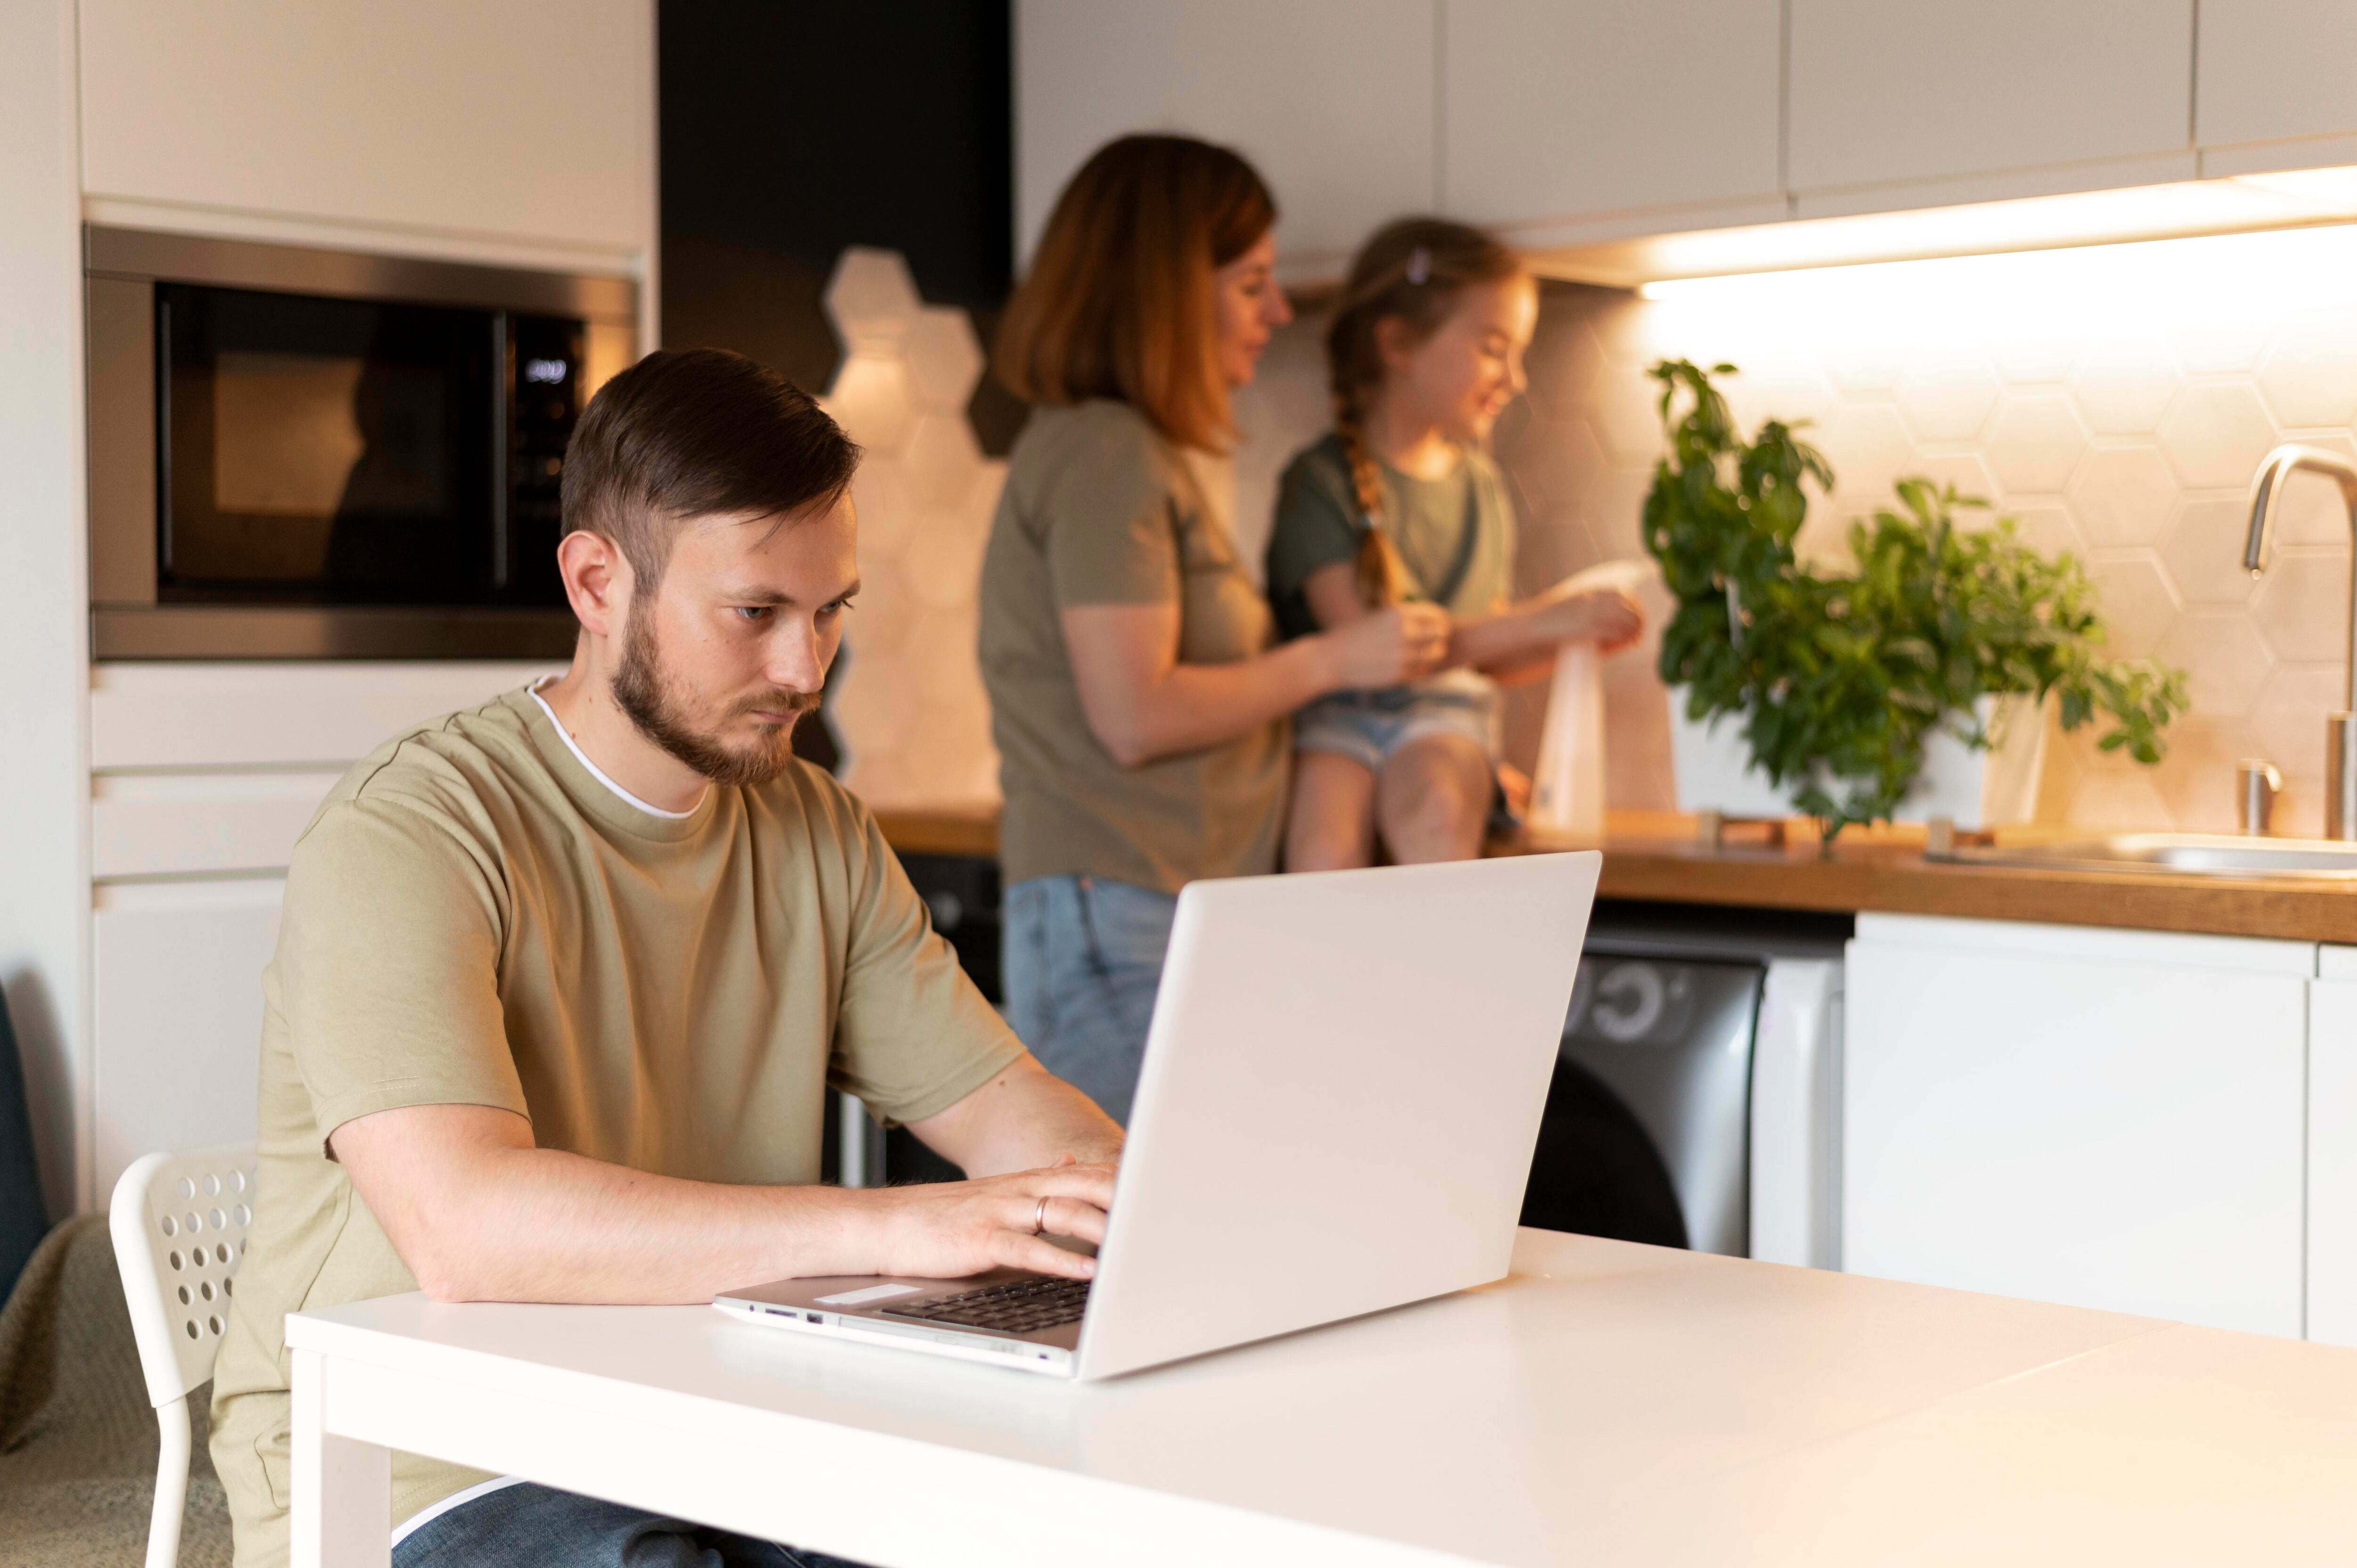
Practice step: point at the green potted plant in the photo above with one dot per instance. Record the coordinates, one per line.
(1834, 685)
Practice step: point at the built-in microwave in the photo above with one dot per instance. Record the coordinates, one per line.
(307, 454)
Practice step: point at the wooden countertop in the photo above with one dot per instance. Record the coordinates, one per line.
(1656, 856)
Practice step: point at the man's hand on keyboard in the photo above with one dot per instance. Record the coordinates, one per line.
(950, 1229)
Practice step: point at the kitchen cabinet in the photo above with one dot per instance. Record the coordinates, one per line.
(2100, 1118)
(1566, 109)
(2332, 1148)
(1331, 100)
(178, 824)
(528, 122)
(2275, 70)
(176, 1015)
(192, 715)
(203, 777)
(204, 769)
(1574, 125)
(1892, 91)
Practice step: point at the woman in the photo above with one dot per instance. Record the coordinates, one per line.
(1137, 694)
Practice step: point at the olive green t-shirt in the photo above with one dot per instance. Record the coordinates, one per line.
(1459, 527)
(1097, 509)
(475, 918)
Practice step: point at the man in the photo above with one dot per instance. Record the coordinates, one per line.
(563, 981)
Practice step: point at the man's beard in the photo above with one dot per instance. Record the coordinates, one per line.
(643, 692)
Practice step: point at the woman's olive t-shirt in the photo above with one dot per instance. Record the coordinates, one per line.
(1316, 525)
(1099, 510)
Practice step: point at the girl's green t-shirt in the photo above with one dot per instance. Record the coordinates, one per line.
(1428, 520)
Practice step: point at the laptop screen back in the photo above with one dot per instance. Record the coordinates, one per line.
(1341, 1090)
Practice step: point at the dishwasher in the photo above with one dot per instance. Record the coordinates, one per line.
(1697, 1099)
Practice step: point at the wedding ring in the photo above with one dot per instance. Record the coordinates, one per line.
(1040, 1219)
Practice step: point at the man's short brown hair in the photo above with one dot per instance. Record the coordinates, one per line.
(696, 433)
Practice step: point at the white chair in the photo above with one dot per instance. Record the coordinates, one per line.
(178, 1221)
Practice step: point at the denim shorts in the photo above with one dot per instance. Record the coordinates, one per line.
(1369, 727)
(1083, 960)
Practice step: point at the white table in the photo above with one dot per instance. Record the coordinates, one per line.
(1609, 1403)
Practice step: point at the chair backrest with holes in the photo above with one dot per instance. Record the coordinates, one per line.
(179, 1220)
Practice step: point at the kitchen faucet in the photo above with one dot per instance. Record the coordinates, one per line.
(2341, 728)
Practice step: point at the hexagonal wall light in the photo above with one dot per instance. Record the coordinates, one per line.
(908, 703)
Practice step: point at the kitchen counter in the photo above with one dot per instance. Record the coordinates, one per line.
(1656, 856)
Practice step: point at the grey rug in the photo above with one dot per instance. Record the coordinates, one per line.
(77, 1440)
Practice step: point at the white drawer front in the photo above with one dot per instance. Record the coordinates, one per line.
(175, 824)
(275, 715)
(178, 1014)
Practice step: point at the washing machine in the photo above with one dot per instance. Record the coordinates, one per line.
(1696, 1099)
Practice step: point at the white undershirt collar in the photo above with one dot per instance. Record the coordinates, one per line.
(595, 771)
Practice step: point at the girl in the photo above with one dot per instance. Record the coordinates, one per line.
(1402, 504)
(1137, 700)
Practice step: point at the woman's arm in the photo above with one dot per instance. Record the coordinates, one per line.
(1144, 705)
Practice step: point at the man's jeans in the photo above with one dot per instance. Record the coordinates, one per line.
(1082, 959)
(530, 1526)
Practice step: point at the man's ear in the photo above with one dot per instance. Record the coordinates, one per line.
(597, 582)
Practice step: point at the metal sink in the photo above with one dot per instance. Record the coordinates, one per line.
(2198, 855)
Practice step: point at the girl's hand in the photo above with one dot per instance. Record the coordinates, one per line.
(1403, 643)
(1515, 785)
(1607, 617)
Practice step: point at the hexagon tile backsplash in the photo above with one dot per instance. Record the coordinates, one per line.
(2116, 399)
(908, 701)
(2121, 423)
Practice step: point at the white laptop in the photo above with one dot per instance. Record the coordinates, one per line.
(1340, 1099)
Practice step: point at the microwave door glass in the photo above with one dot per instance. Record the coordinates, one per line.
(323, 450)
(543, 386)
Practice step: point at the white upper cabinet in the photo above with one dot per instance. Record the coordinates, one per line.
(1331, 100)
(2273, 69)
(1887, 90)
(524, 121)
(1571, 108)
(1578, 124)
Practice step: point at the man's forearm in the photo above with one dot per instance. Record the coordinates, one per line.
(651, 1238)
(480, 1214)
(1024, 1119)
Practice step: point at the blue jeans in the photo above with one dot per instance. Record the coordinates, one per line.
(1083, 958)
(532, 1526)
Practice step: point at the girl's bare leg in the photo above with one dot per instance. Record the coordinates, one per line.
(1332, 823)
(1434, 799)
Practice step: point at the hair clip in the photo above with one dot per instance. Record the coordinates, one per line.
(1419, 267)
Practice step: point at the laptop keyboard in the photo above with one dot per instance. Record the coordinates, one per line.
(1019, 1306)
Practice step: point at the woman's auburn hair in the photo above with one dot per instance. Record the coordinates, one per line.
(1119, 302)
(1411, 270)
